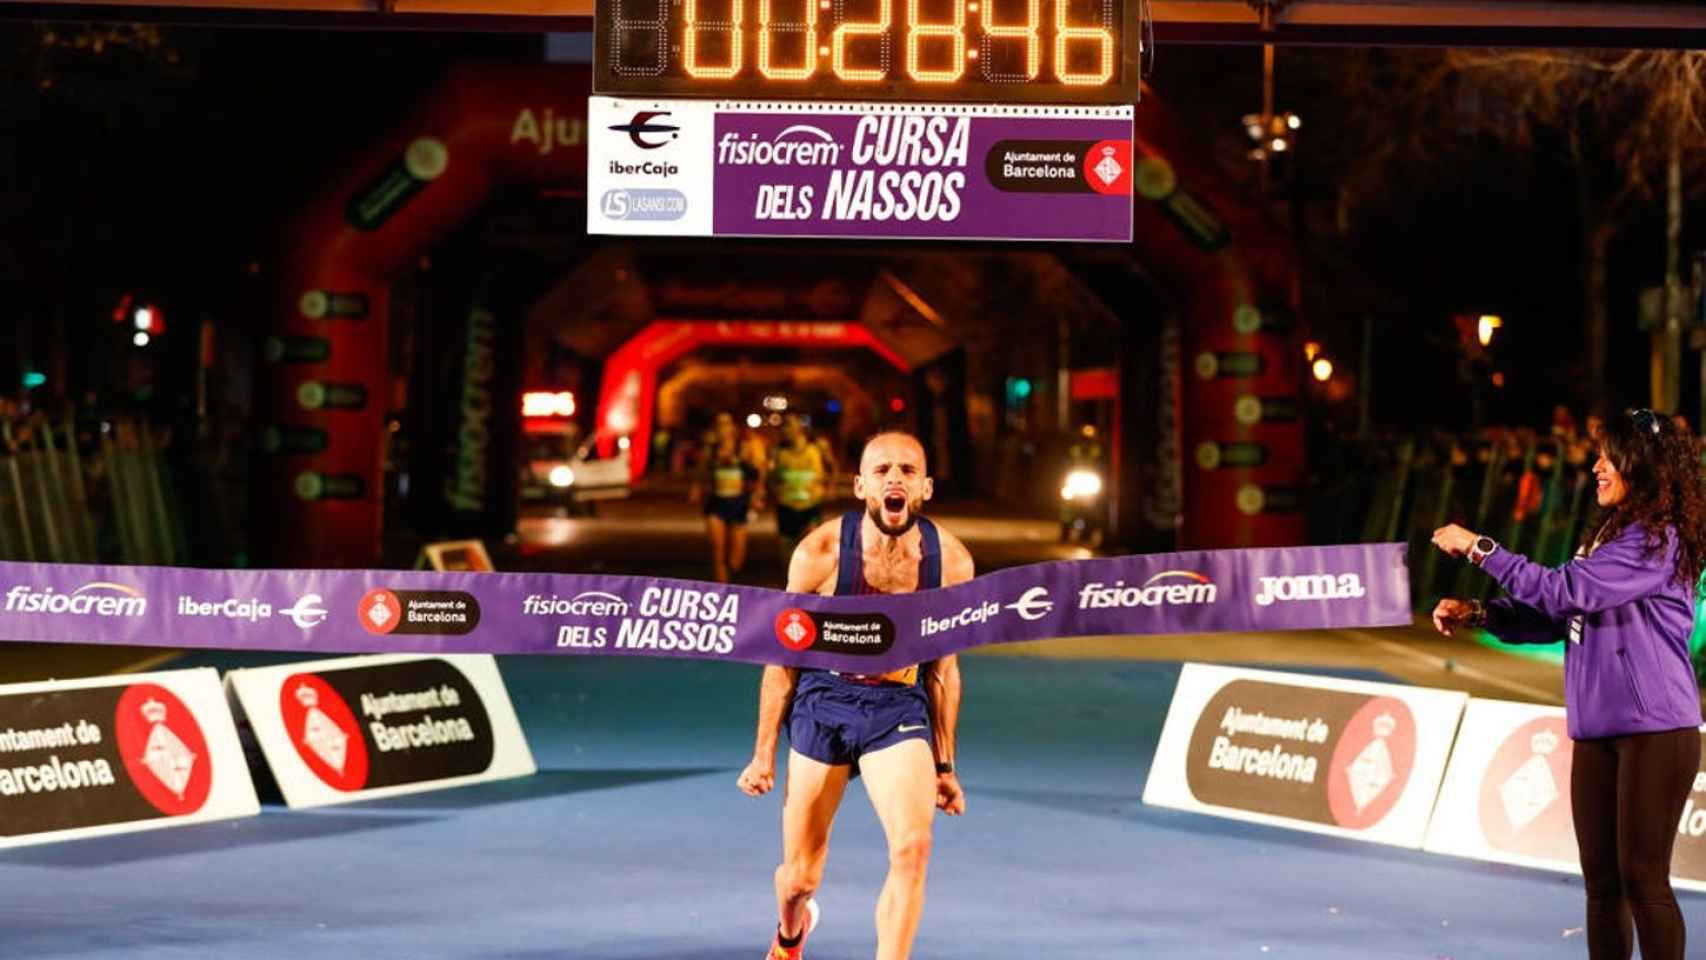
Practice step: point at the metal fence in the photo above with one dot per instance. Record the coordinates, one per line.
(91, 491)
(1532, 494)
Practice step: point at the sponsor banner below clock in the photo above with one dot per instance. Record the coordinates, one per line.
(357, 728)
(1345, 757)
(83, 758)
(1506, 795)
(891, 170)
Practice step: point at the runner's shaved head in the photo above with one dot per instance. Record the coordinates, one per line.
(894, 442)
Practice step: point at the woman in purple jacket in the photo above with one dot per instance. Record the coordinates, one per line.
(1626, 604)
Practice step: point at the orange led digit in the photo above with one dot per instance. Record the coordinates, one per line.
(630, 29)
(849, 30)
(690, 42)
(807, 29)
(1030, 32)
(1064, 34)
(955, 33)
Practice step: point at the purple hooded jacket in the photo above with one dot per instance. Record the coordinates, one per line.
(1627, 620)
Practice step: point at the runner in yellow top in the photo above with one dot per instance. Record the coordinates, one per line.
(799, 479)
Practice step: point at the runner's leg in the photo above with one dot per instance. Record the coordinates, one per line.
(717, 531)
(901, 781)
(810, 798)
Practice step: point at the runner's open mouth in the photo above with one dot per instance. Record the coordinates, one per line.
(894, 503)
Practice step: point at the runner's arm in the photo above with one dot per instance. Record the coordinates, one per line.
(942, 684)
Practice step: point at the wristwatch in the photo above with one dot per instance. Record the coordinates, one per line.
(1481, 549)
(942, 768)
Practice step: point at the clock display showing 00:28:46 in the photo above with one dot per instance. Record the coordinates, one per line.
(1037, 51)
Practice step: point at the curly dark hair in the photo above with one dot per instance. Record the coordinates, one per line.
(1659, 461)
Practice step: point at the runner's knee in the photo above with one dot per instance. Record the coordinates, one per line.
(911, 851)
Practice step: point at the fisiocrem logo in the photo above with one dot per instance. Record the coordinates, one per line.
(100, 599)
(1171, 587)
(801, 145)
(1320, 586)
(587, 603)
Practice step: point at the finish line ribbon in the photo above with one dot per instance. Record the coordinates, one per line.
(397, 611)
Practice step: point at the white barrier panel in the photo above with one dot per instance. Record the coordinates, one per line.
(1506, 796)
(1344, 757)
(359, 728)
(86, 758)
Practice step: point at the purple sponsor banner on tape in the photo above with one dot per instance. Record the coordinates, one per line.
(397, 611)
(942, 173)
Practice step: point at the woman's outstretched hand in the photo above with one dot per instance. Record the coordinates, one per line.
(1451, 613)
(1454, 540)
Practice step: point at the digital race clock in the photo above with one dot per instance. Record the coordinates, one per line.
(990, 51)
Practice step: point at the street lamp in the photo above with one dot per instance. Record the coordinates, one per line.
(1270, 133)
(1486, 326)
(1322, 368)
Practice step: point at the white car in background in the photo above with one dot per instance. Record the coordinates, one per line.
(574, 480)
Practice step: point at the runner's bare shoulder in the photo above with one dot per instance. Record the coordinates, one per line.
(812, 569)
(957, 566)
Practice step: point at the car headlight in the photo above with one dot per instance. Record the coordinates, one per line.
(562, 476)
(1081, 484)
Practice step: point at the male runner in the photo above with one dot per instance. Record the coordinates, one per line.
(799, 478)
(895, 729)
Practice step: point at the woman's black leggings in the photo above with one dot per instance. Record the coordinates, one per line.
(1627, 794)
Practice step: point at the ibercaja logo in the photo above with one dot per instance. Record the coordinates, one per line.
(438, 612)
(859, 634)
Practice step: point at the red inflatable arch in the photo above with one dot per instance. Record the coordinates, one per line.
(628, 396)
(325, 391)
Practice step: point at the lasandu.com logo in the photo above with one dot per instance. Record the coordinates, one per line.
(634, 203)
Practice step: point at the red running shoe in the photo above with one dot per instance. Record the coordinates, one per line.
(798, 950)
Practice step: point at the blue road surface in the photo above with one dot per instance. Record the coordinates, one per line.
(632, 843)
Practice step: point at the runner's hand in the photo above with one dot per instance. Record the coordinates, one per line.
(1451, 613)
(950, 796)
(757, 779)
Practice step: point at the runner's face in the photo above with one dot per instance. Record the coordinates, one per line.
(892, 483)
